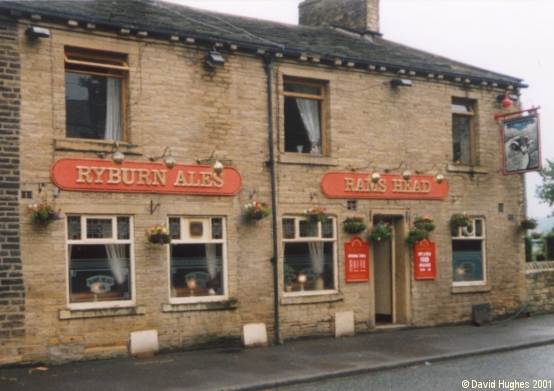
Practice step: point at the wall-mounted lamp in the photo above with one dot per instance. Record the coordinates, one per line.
(169, 160)
(401, 83)
(117, 156)
(406, 174)
(507, 99)
(37, 32)
(375, 177)
(217, 166)
(439, 178)
(214, 59)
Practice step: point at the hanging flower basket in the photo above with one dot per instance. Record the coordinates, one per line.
(416, 235)
(380, 231)
(256, 210)
(43, 214)
(354, 224)
(424, 223)
(461, 220)
(313, 215)
(158, 235)
(527, 223)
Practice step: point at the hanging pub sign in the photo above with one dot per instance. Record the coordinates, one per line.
(425, 260)
(143, 177)
(521, 142)
(356, 254)
(389, 186)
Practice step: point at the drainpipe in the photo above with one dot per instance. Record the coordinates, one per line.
(268, 58)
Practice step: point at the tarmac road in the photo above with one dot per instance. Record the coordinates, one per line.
(526, 369)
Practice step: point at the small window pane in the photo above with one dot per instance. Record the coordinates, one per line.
(478, 226)
(289, 229)
(461, 139)
(74, 227)
(196, 269)
(175, 227)
(308, 266)
(467, 260)
(99, 272)
(307, 229)
(327, 229)
(461, 109)
(87, 98)
(99, 229)
(217, 228)
(123, 228)
(303, 89)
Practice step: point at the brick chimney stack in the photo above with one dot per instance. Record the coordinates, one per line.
(358, 15)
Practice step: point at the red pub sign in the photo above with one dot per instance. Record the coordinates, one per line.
(425, 260)
(388, 187)
(356, 254)
(143, 177)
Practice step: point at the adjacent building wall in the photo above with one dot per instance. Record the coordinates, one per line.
(12, 288)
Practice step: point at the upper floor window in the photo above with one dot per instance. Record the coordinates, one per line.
(100, 252)
(309, 255)
(94, 94)
(197, 258)
(468, 253)
(463, 131)
(304, 116)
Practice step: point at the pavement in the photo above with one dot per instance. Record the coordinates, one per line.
(294, 362)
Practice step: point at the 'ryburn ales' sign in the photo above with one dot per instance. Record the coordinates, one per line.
(143, 177)
(389, 186)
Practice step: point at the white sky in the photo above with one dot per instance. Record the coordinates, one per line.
(513, 37)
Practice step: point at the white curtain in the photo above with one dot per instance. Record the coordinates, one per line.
(116, 257)
(316, 256)
(309, 111)
(114, 126)
(211, 259)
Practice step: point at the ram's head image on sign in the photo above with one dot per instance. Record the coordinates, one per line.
(521, 138)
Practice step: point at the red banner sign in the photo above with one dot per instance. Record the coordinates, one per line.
(357, 260)
(425, 260)
(389, 186)
(143, 177)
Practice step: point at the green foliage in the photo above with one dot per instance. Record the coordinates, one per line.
(546, 191)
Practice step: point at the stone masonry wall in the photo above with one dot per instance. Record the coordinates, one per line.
(12, 289)
(540, 287)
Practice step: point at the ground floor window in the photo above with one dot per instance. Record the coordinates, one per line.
(468, 253)
(309, 261)
(197, 257)
(100, 253)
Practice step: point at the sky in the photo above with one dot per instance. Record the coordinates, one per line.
(513, 37)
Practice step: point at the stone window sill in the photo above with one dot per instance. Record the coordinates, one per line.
(466, 169)
(231, 304)
(324, 298)
(471, 289)
(306, 158)
(68, 313)
(97, 146)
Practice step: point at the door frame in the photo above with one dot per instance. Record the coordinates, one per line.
(400, 266)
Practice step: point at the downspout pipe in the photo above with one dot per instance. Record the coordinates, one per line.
(269, 58)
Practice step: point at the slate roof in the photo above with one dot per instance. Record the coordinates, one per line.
(163, 19)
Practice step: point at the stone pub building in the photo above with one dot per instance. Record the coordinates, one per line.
(141, 121)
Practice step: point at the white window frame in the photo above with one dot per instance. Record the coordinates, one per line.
(318, 238)
(92, 62)
(114, 240)
(206, 237)
(470, 234)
